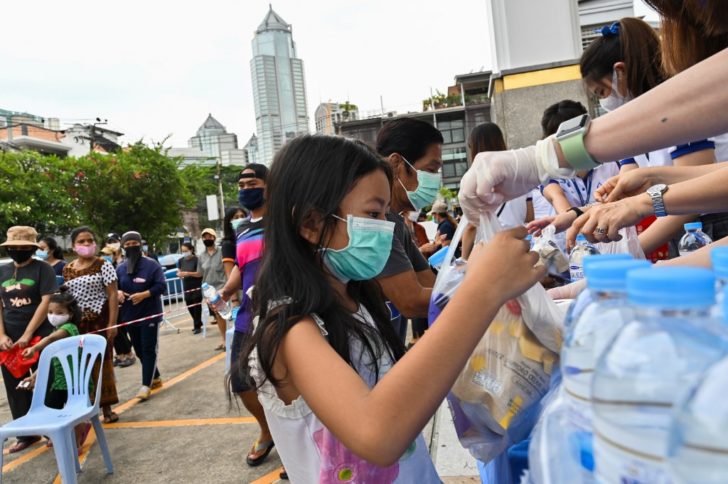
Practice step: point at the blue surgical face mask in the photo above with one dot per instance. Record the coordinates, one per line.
(370, 242)
(41, 254)
(108, 259)
(428, 186)
(236, 222)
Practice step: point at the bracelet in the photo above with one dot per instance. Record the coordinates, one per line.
(579, 212)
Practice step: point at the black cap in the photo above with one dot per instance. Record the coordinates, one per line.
(113, 236)
(261, 171)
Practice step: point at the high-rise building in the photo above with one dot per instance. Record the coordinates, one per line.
(211, 145)
(328, 114)
(279, 90)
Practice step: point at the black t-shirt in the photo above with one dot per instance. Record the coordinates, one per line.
(446, 228)
(21, 290)
(228, 250)
(189, 264)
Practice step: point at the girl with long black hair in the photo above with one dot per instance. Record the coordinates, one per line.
(341, 398)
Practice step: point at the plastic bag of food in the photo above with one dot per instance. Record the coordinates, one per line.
(495, 399)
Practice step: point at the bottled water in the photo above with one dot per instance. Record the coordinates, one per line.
(585, 297)
(221, 307)
(649, 366)
(698, 451)
(562, 444)
(693, 239)
(576, 258)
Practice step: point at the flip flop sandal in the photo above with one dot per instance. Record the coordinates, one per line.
(21, 445)
(258, 447)
(220, 348)
(112, 418)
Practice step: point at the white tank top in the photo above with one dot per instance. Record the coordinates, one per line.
(310, 453)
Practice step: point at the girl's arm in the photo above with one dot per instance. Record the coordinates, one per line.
(379, 424)
(555, 196)
(42, 344)
(38, 317)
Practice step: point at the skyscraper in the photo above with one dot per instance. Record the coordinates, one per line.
(279, 90)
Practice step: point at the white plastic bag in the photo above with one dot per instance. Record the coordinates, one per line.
(630, 244)
(495, 399)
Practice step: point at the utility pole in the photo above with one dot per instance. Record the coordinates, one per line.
(220, 196)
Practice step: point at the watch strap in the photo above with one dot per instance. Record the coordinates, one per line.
(579, 212)
(575, 152)
(658, 204)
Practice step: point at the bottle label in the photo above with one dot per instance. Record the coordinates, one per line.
(576, 273)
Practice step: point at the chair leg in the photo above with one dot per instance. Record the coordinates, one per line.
(63, 448)
(74, 446)
(101, 439)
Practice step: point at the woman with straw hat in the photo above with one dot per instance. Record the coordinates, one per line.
(26, 285)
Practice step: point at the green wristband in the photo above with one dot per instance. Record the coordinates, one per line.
(576, 154)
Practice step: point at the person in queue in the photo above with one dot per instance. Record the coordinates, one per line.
(413, 148)
(49, 251)
(141, 286)
(210, 266)
(93, 283)
(26, 286)
(191, 283)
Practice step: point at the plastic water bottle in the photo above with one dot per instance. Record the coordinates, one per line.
(698, 452)
(693, 239)
(561, 448)
(585, 297)
(221, 307)
(649, 367)
(577, 255)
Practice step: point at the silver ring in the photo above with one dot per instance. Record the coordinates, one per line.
(600, 231)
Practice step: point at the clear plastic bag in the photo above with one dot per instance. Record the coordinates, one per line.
(630, 244)
(495, 399)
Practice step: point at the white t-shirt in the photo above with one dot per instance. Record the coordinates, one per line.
(311, 453)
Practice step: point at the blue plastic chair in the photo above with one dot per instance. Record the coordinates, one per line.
(58, 424)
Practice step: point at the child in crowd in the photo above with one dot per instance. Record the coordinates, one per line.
(342, 399)
(65, 315)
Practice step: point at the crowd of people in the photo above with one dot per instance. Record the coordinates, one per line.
(327, 261)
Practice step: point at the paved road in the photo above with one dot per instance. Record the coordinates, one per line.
(189, 431)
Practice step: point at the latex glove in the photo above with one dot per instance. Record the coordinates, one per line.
(499, 176)
(569, 291)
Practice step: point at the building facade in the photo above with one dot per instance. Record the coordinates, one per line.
(328, 114)
(211, 145)
(455, 121)
(279, 89)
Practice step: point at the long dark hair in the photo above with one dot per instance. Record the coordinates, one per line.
(53, 248)
(633, 42)
(66, 299)
(312, 174)
(485, 137)
(692, 30)
(227, 228)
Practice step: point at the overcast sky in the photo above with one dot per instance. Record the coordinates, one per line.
(157, 67)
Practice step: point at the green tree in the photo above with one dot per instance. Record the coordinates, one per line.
(139, 188)
(37, 191)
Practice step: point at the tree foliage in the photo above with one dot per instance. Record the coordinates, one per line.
(139, 188)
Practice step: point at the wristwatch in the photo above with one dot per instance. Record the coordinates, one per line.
(570, 137)
(656, 192)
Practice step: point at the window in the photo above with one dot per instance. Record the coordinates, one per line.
(455, 162)
(452, 131)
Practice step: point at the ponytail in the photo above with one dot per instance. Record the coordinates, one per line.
(633, 42)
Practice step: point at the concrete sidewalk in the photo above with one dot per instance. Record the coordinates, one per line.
(190, 431)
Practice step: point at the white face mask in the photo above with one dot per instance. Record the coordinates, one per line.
(413, 216)
(615, 99)
(58, 319)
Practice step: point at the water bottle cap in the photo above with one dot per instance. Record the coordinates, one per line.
(719, 258)
(204, 286)
(214, 298)
(693, 226)
(581, 238)
(671, 287)
(592, 258)
(611, 275)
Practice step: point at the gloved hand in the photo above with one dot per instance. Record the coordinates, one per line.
(499, 176)
(569, 291)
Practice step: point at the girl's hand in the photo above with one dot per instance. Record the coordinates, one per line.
(23, 341)
(505, 265)
(121, 296)
(602, 223)
(28, 352)
(5, 342)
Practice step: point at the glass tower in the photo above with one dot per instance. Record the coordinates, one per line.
(279, 89)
